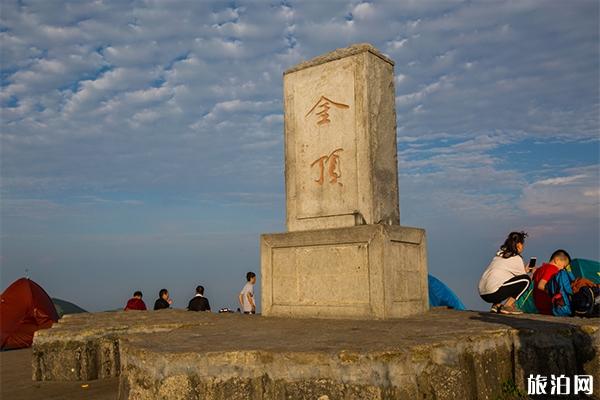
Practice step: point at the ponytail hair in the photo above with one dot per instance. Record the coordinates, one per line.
(509, 248)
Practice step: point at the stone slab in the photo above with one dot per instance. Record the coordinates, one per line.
(16, 383)
(86, 346)
(441, 354)
(362, 272)
(340, 141)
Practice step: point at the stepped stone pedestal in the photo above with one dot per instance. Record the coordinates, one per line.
(369, 271)
(345, 254)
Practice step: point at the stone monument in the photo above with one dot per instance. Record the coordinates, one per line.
(345, 254)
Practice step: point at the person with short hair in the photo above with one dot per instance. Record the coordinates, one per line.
(246, 296)
(506, 279)
(135, 303)
(163, 301)
(559, 260)
(199, 302)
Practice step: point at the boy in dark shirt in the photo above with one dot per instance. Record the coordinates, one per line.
(199, 302)
(163, 300)
(560, 259)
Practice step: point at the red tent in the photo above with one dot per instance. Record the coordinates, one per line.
(24, 308)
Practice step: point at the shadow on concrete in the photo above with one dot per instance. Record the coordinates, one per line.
(546, 347)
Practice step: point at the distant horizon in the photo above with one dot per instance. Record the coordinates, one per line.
(214, 309)
(142, 143)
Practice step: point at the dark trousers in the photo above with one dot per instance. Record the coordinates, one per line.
(514, 287)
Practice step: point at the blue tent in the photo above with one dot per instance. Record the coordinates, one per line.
(441, 295)
(586, 269)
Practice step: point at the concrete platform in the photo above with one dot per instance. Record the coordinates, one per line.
(16, 383)
(86, 346)
(442, 354)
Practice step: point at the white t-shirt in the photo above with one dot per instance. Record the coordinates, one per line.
(248, 288)
(499, 271)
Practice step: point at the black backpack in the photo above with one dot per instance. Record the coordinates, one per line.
(586, 302)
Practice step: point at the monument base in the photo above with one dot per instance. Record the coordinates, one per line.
(363, 272)
(178, 354)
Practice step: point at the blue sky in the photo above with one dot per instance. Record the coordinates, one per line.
(142, 141)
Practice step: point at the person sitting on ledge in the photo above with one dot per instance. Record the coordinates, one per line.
(163, 300)
(505, 279)
(136, 302)
(560, 259)
(199, 302)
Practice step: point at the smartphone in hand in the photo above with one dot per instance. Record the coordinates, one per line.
(532, 262)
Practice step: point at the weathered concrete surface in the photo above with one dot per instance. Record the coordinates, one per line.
(361, 272)
(16, 383)
(340, 141)
(339, 54)
(86, 346)
(441, 354)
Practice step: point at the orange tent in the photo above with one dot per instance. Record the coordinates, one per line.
(24, 308)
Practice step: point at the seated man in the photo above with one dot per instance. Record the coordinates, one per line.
(560, 259)
(163, 301)
(199, 302)
(136, 302)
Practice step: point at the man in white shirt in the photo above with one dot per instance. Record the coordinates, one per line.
(246, 297)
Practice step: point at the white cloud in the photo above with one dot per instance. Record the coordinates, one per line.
(443, 83)
(565, 180)
(399, 79)
(363, 10)
(108, 74)
(573, 196)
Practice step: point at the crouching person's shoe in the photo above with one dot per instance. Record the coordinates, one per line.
(510, 310)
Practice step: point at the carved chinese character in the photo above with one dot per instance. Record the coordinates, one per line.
(322, 106)
(332, 162)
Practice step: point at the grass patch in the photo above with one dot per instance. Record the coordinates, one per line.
(510, 391)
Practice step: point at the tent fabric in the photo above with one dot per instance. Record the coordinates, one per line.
(441, 295)
(64, 307)
(526, 303)
(586, 269)
(24, 309)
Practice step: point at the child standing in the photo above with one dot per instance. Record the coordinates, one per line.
(560, 259)
(246, 297)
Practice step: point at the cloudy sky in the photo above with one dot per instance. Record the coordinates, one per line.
(142, 141)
